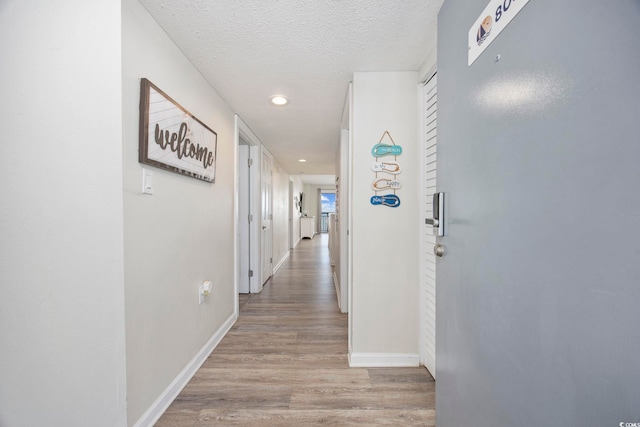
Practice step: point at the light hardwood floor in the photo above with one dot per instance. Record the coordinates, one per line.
(284, 363)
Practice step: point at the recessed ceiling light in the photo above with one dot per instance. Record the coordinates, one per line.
(279, 100)
(302, 160)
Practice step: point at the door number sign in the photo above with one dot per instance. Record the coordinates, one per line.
(493, 19)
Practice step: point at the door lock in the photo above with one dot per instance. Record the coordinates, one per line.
(438, 214)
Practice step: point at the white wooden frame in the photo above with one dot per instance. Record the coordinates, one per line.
(242, 130)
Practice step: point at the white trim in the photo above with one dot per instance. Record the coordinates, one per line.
(279, 264)
(162, 403)
(296, 243)
(291, 212)
(243, 225)
(383, 360)
(429, 66)
(242, 130)
(343, 220)
(336, 283)
(422, 315)
(428, 284)
(264, 269)
(255, 236)
(236, 197)
(246, 132)
(349, 251)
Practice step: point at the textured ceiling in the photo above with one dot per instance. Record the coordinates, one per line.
(306, 50)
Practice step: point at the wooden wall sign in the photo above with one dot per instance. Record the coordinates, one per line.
(174, 139)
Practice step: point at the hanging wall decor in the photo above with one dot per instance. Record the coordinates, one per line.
(174, 139)
(387, 166)
(386, 181)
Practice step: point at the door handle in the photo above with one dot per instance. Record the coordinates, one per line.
(432, 221)
(438, 214)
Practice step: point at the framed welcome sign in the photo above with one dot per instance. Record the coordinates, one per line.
(172, 138)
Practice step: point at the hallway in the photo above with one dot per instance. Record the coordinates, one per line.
(284, 363)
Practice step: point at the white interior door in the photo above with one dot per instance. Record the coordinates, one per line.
(249, 206)
(266, 215)
(291, 208)
(244, 202)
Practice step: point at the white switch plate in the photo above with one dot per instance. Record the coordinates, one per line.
(204, 290)
(147, 181)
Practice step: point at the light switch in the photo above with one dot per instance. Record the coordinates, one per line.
(147, 181)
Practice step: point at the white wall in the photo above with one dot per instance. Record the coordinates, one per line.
(298, 187)
(385, 241)
(343, 209)
(310, 202)
(280, 224)
(62, 356)
(181, 235)
(342, 216)
(334, 234)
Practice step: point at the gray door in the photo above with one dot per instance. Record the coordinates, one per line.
(538, 320)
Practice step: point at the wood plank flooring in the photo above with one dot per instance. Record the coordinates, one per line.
(284, 363)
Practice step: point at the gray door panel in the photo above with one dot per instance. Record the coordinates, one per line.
(538, 320)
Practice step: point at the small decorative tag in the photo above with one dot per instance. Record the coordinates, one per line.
(380, 150)
(384, 184)
(390, 200)
(388, 167)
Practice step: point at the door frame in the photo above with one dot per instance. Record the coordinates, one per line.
(244, 205)
(425, 248)
(290, 213)
(242, 130)
(343, 209)
(269, 243)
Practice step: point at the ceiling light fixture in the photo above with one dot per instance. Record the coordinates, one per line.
(302, 160)
(279, 100)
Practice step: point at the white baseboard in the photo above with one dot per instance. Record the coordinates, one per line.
(383, 360)
(279, 264)
(155, 411)
(336, 283)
